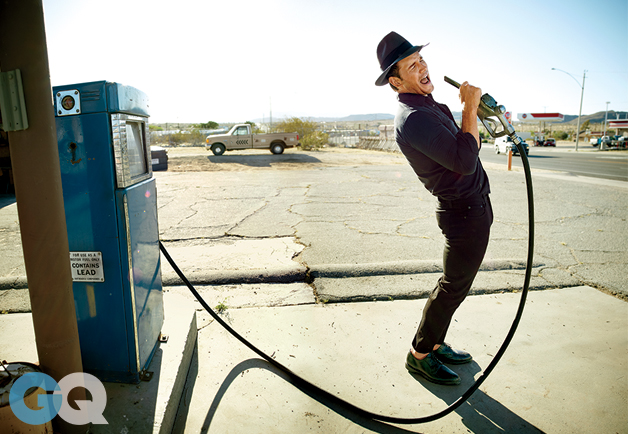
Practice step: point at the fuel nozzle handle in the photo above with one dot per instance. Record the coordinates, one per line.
(491, 115)
(452, 82)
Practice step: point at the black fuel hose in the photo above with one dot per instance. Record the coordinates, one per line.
(302, 383)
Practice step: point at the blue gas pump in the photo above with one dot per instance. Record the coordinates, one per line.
(111, 215)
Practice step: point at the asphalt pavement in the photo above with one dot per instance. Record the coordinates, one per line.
(610, 163)
(324, 260)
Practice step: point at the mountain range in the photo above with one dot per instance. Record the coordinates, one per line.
(594, 118)
(351, 118)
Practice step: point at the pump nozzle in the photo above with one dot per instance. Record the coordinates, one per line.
(491, 115)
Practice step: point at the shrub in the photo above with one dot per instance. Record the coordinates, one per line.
(309, 137)
(193, 137)
(314, 140)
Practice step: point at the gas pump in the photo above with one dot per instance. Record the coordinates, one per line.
(111, 215)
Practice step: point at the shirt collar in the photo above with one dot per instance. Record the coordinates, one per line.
(415, 99)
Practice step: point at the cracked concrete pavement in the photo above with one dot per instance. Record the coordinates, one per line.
(357, 225)
(268, 236)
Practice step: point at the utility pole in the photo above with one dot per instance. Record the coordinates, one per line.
(606, 117)
(37, 177)
(599, 148)
(584, 76)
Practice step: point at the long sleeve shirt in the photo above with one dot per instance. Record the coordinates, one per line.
(445, 159)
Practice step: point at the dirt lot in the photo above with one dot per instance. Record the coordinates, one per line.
(197, 159)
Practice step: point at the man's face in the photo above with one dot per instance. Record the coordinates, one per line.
(415, 76)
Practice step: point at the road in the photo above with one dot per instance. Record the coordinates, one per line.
(586, 162)
(361, 212)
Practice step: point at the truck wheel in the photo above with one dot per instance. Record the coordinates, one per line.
(218, 149)
(496, 149)
(276, 148)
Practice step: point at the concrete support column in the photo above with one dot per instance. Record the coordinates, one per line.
(37, 177)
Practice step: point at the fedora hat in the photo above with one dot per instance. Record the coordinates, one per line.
(391, 50)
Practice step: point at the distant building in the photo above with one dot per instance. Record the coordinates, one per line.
(387, 131)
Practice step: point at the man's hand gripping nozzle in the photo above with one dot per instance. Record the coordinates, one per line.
(492, 116)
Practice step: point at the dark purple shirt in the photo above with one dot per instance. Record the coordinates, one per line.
(445, 159)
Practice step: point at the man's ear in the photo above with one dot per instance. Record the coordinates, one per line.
(395, 81)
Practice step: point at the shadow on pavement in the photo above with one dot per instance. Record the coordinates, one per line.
(264, 160)
(541, 156)
(184, 405)
(6, 200)
(480, 414)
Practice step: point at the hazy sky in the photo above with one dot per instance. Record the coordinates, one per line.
(232, 60)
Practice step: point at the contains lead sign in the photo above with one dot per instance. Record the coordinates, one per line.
(87, 267)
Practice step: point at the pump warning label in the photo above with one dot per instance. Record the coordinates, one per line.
(87, 267)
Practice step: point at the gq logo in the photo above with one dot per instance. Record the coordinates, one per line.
(57, 402)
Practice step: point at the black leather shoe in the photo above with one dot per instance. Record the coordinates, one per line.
(431, 369)
(448, 355)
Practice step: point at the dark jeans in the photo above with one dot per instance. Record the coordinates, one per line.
(466, 225)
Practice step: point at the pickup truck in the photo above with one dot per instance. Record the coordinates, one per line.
(240, 137)
(611, 142)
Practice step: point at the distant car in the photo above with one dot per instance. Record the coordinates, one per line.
(159, 158)
(505, 144)
(550, 142)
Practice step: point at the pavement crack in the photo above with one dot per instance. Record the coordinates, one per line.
(194, 212)
(224, 236)
(204, 325)
(265, 204)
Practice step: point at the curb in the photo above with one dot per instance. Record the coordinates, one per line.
(17, 282)
(407, 267)
(303, 274)
(273, 275)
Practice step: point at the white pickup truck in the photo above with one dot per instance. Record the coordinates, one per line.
(240, 137)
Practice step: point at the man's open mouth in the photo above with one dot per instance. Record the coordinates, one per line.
(425, 80)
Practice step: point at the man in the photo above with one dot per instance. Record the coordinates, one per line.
(446, 160)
